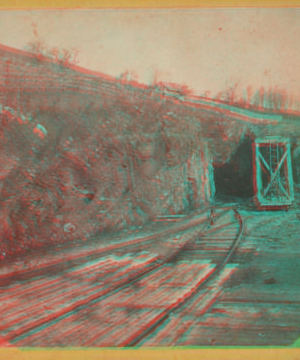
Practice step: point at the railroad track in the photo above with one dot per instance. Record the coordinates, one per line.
(195, 250)
(34, 268)
(131, 304)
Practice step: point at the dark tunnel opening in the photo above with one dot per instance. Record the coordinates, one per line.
(235, 177)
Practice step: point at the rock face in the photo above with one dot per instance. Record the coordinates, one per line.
(83, 154)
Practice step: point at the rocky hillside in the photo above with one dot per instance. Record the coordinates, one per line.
(82, 154)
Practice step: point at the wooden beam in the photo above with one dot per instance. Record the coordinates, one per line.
(272, 174)
(275, 172)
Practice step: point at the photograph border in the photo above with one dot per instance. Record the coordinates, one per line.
(174, 353)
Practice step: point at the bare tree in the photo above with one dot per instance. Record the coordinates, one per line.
(63, 57)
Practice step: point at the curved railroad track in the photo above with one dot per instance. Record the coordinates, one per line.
(219, 267)
(133, 307)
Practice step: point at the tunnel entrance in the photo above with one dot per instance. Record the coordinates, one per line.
(235, 178)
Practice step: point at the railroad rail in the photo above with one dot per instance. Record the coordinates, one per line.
(209, 279)
(62, 261)
(60, 319)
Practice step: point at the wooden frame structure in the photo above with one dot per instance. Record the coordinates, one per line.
(273, 178)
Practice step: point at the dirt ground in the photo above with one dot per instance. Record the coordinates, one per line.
(261, 302)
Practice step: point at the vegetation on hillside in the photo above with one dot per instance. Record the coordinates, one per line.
(275, 99)
(81, 165)
(62, 57)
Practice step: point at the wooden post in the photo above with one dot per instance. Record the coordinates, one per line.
(290, 172)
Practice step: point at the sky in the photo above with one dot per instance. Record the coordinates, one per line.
(207, 50)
